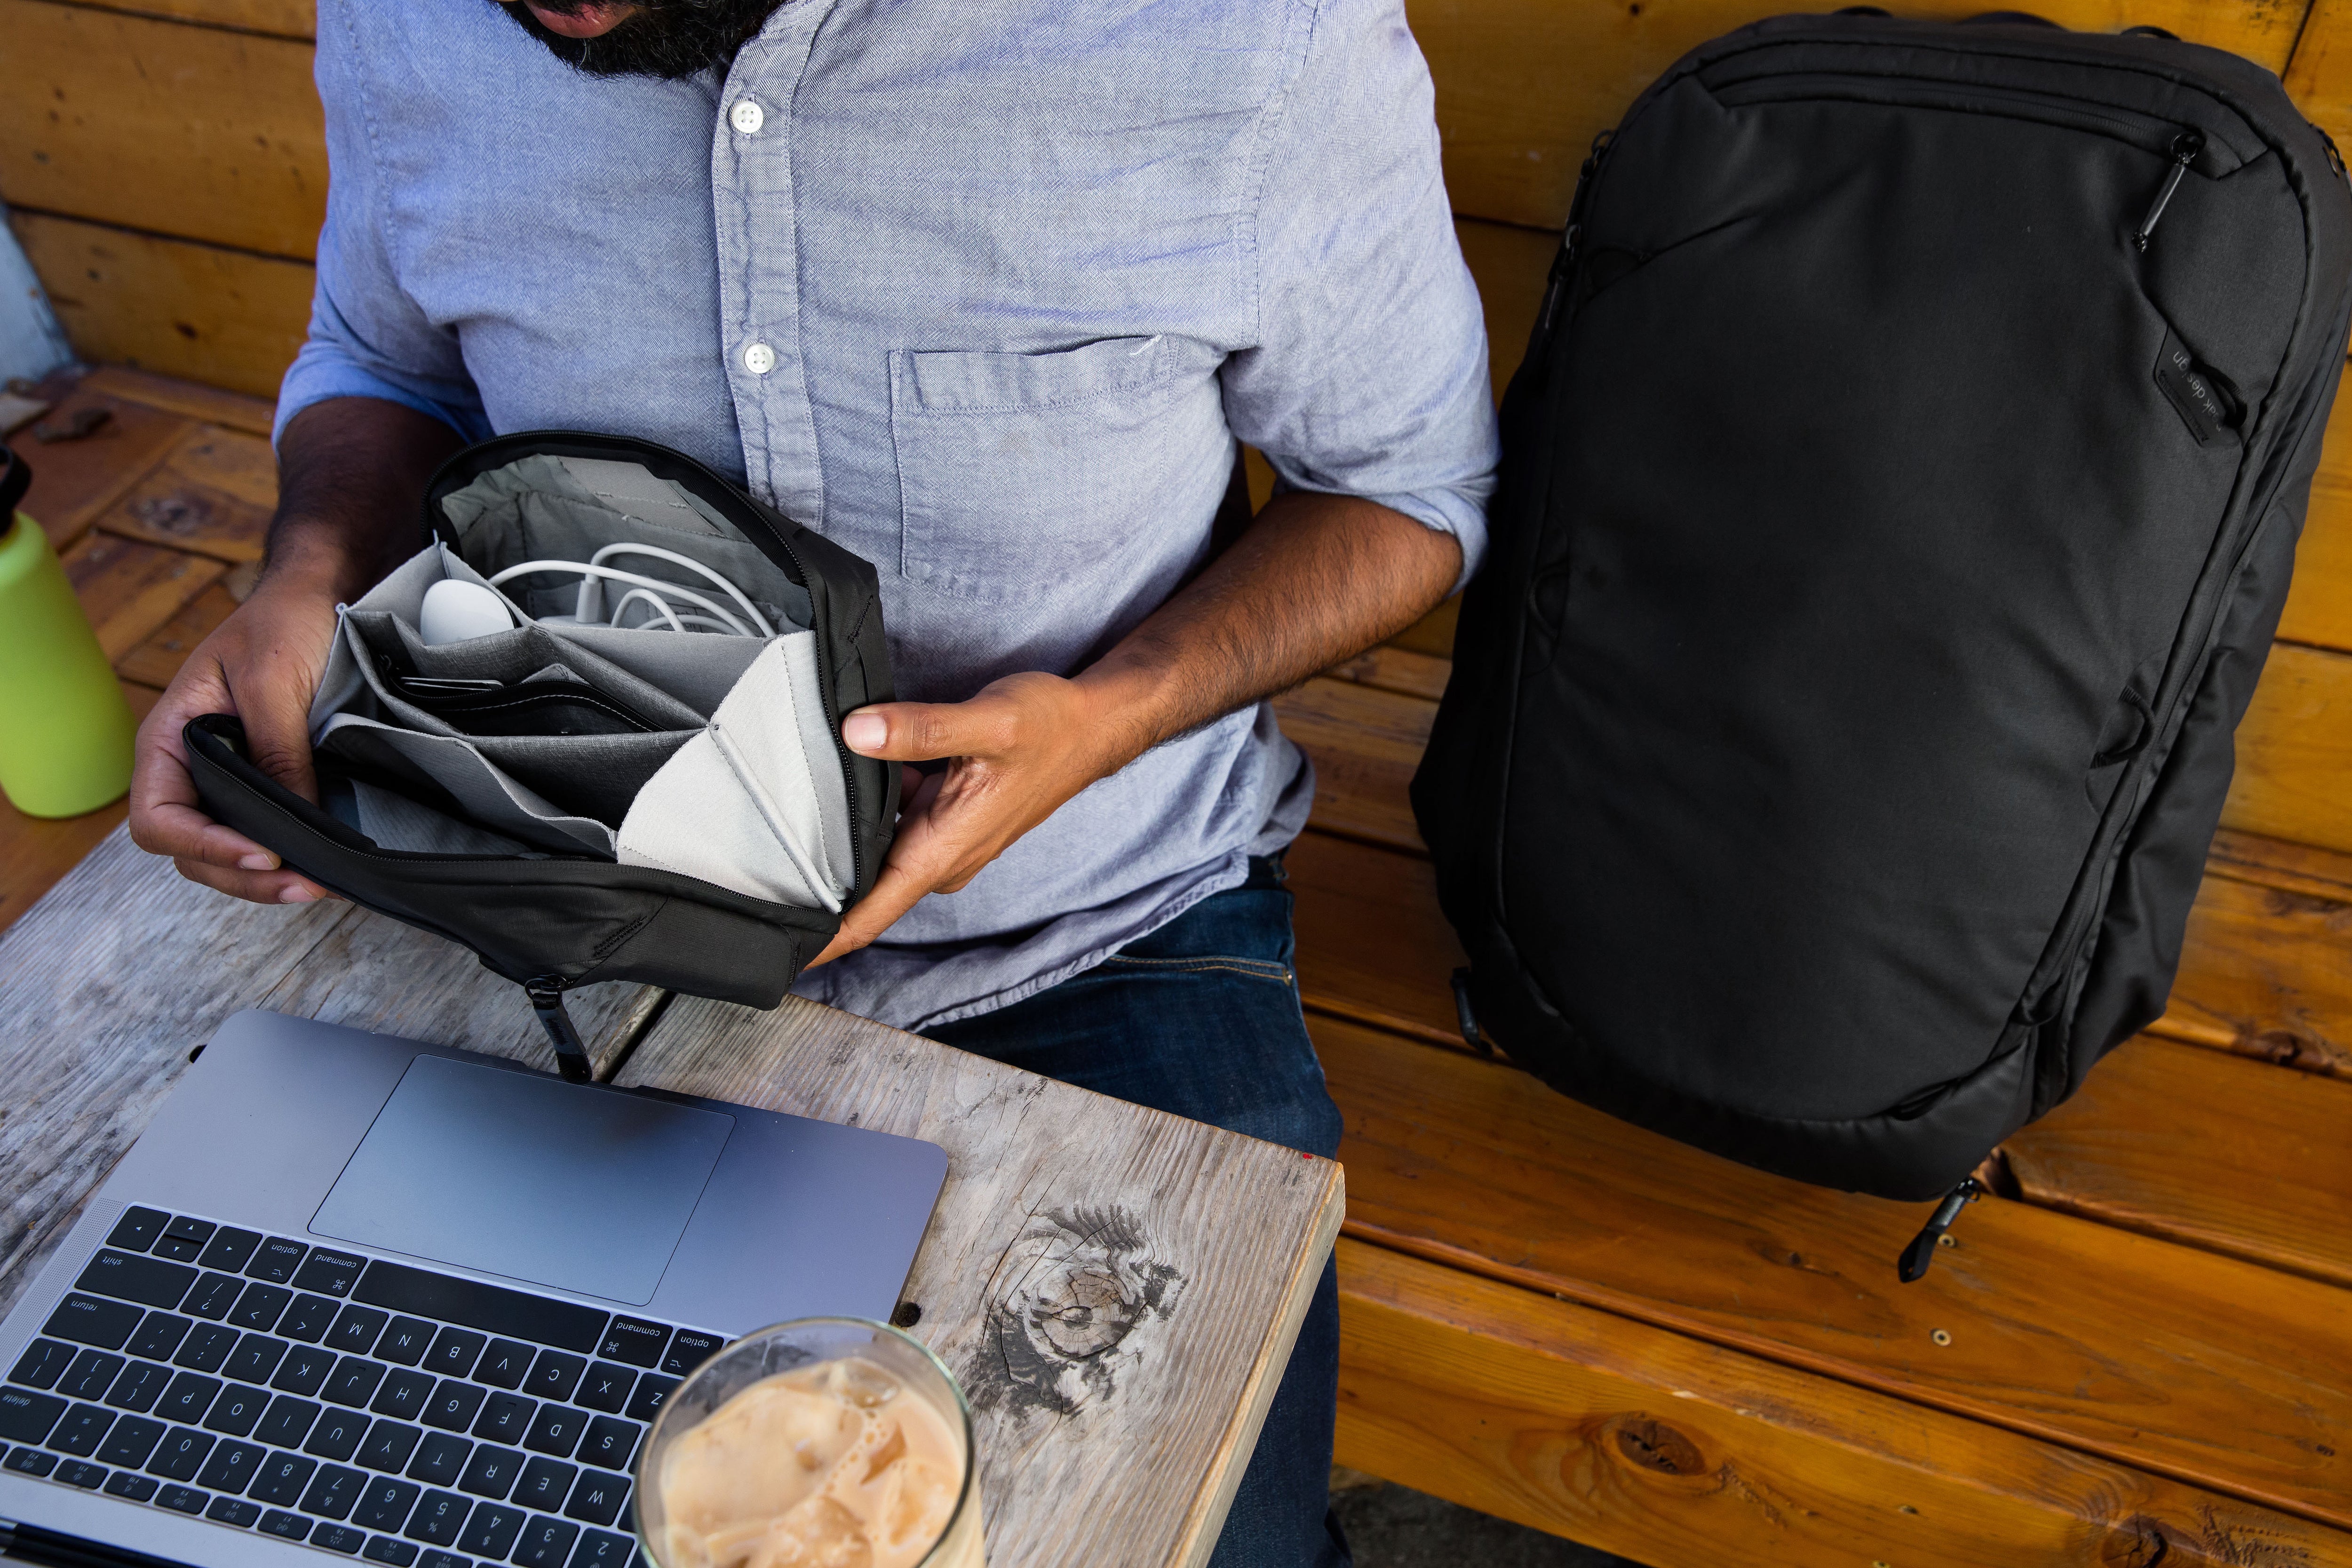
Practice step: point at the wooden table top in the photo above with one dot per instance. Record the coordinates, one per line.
(1117, 1289)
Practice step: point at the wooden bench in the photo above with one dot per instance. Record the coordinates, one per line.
(2139, 1352)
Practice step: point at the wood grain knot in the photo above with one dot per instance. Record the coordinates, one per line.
(1656, 1447)
(179, 513)
(2139, 1541)
(1069, 1311)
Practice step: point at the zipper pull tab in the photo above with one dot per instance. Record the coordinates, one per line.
(546, 994)
(2184, 148)
(1561, 264)
(1922, 1251)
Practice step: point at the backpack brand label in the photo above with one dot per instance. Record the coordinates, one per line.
(2208, 411)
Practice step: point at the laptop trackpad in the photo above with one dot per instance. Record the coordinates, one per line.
(562, 1184)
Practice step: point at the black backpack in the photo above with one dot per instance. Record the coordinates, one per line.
(552, 920)
(1898, 497)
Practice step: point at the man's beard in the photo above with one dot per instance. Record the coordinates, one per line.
(668, 39)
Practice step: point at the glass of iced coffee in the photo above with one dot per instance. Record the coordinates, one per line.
(827, 1441)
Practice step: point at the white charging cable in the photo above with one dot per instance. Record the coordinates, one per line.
(657, 591)
(591, 589)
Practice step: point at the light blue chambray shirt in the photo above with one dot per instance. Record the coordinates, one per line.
(984, 290)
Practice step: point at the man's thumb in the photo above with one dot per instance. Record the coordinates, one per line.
(910, 732)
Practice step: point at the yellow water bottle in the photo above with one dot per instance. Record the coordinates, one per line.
(65, 729)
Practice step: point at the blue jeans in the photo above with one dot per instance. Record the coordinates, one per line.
(1202, 1018)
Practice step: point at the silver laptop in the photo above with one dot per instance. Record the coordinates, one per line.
(357, 1297)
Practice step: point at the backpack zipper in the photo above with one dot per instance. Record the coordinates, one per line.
(2184, 148)
(546, 994)
(1921, 1254)
(1565, 261)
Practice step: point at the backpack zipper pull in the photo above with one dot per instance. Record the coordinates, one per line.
(546, 994)
(1922, 1251)
(2184, 148)
(1566, 259)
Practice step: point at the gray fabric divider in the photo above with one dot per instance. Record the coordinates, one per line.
(699, 669)
(395, 822)
(594, 776)
(512, 657)
(491, 798)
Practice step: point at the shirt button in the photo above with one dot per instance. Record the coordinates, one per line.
(759, 359)
(746, 117)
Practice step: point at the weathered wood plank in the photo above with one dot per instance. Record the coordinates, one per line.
(212, 494)
(158, 125)
(2230, 1155)
(1365, 743)
(1644, 1442)
(73, 481)
(2295, 751)
(2264, 973)
(1118, 1331)
(2319, 605)
(286, 18)
(158, 659)
(1433, 634)
(2203, 1368)
(131, 590)
(1510, 266)
(189, 399)
(1372, 943)
(109, 981)
(228, 318)
(1523, 85)
(2319, 77)
(1398, 669)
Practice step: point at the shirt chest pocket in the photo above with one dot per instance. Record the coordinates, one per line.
(1023, 476)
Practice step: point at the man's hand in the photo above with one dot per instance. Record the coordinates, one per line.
(351, 472)
(1314, 580)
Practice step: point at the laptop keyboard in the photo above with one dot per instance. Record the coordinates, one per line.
(363, 1406)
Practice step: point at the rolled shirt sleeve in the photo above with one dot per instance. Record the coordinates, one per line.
(368, 338)
(1369, 376)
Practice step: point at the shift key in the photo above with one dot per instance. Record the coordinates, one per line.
(131, 1278)
(86, 1320)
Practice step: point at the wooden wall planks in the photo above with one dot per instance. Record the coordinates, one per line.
(2295, 751)
(227, 318)
(193, 132)
(286, 18)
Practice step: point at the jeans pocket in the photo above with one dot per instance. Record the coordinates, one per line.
(1022, 476)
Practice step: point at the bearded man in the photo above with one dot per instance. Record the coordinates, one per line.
(986, 290)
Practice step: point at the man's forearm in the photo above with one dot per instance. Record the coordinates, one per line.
(1315, 579)
(351, 471)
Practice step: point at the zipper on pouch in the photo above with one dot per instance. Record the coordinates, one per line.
(2184, 148)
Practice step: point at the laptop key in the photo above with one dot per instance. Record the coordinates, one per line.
(334, 1272)
(91, 1375)
(26, 1416)
(181, 1454)
(206, 1348)
(275, 1260)
(233, 1510)
(545, 1484)
(338, 1435)
(287, 1422)
(77, 1473)
(137, 1229)
(86, 1320)
(229, 1250)
(603, 1549)
(284, 1525)
(454, 1351)
(29, 1461)
(554, 1375)
(388, 1446)
(256, 1357)
(546, 1543)
(405, 1393)
(337, 1537)
(437, 1519)
(491, 1531)
(491, 1472)
(596, 1496)
(652, 1389)
(611, 1442)
(260, 1307)
(384, 1549)
(384, 1503)
(688, 1349)
(635, 1341)
(281, 1481)
(606, 1387)
(132, 1440)
(309, 1319)
(183, 1499)
(354, 1381)
(555, 1430)
(332, 1491)
(127, 1277)
(188, 1227)
(505, 1418)
(188, 1397)
(215, 1297)
(138, 1488)
(236, 1410)
(232, 1466)
(454, 1405)
(504, 1364)
(43, 1362)
(440, 1460)
(304, 1370)
(141, 1383)
(158, 1336)
(433, 1559)
(356, 1329)
(405, 1341)
(81, 1430)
